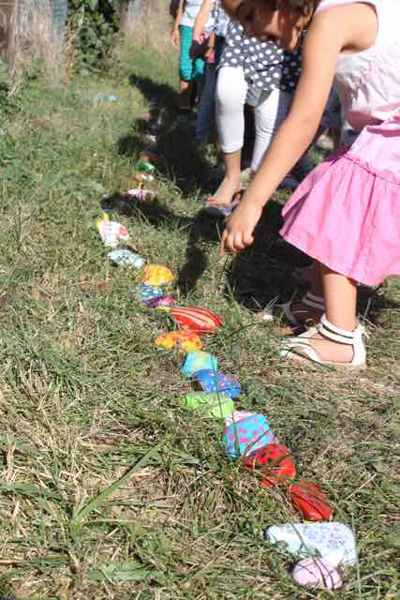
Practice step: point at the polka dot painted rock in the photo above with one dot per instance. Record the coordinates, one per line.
(238, 415)
(184, 340)
(157, 275)
(310, 501)
(147, 292)
(245, 437)
(209, 405)
(317, 574)
(198, 361)
(210, 381)
(274, 463)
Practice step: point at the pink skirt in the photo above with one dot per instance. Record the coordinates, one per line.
(346, 213)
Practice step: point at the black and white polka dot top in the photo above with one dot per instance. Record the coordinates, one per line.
(265, 65)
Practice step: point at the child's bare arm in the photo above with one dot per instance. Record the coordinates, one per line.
(323, 44)
(202, 18)
(175, 28)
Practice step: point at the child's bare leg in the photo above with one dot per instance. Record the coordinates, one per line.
(340, 294)
(231, 183)
(303, 312)
(184, 94)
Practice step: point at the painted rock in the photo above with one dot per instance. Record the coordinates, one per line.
(310, 501)
(143, 165)
(186, 340)
(209, 405)
(317, 574)
(210, 381)
(145, 293)
(162, 302)
(143, 178)
(333, 542)
(157, 275)
(150, 157)
(139, 194)
(154, 129)
(245, 437)
(111, 232)
(197, 319)
(151, 139)
(126, 257)
(274, 463)
(238, 415)
(198, 361)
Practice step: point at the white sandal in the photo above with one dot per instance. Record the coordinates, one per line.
(304, 349)
(309, 300)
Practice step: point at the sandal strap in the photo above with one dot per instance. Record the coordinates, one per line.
(314, 301)
(336, 334)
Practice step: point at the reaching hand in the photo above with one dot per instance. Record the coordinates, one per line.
(239, 230)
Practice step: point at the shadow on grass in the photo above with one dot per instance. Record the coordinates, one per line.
(180, 159)
(200, 229)
(262, 274)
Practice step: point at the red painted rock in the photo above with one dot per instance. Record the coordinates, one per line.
(197, 319)
(310, 501)
(275, 464)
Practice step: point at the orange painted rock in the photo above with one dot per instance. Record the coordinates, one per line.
(310, 501)
(197, 319)
(186, 340)
(274, 463)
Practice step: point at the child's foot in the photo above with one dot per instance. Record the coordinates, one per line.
(330, 351)
(226, 191)
(327, 344)
(307, 311)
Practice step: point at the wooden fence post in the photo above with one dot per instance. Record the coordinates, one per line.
(8, 23)
(123, 16)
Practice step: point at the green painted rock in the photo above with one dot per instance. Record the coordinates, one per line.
(215, 405)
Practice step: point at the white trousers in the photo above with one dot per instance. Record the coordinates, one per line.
(269, 113)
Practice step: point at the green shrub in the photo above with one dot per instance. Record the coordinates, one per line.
(94, 23)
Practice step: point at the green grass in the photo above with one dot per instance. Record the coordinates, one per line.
(108, 488)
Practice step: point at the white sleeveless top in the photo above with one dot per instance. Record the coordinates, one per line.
(368, 82)
(190, 12)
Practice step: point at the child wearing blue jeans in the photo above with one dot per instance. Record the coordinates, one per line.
(211, 21)
(190, 70)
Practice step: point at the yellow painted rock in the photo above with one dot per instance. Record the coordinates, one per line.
(157, 275)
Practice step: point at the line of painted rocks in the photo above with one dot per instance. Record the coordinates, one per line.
(247, 435)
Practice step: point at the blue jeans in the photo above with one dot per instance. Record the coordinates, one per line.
(206, 109)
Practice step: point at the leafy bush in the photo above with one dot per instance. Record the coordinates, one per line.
(93, 24)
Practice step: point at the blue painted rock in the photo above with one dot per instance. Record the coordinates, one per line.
(198, 361)
(210, 381)
(245, 437)
(145, 293)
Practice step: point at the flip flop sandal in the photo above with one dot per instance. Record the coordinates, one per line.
(220, 210)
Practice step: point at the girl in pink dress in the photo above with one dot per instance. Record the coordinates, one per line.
(346, 213)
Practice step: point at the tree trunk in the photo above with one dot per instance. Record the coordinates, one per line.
(8, 22)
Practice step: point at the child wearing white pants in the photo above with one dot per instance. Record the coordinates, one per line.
(262, 75)
(269, 112)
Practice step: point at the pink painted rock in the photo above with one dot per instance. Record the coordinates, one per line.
(317, 573)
